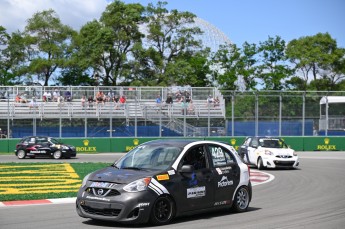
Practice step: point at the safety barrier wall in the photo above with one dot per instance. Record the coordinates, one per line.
(90, 145)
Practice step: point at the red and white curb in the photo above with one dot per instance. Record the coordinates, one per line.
(37, 202)
(259, 177)
(256, 177)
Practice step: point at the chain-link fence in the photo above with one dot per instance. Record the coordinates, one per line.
(274, 113)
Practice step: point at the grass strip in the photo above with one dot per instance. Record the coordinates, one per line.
(34, 181)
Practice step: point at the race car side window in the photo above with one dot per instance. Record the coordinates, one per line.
(196, 157)
(254, 143)
(220, 156)
(247, 141)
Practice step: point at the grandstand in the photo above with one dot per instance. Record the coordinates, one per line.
(140, 105)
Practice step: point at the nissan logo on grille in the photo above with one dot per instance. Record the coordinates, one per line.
(100, 192)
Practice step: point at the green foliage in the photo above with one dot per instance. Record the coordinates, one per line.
(317, 57)
(273, 68)
(171, 37)
(131, 44)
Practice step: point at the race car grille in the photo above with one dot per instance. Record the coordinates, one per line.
(284, 163)
(102, 192)
(284, 156)
(104, 212)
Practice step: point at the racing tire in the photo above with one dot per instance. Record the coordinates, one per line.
(57, 154)
(163, 211)
(241, 200)
(21, 154)
(260, 164)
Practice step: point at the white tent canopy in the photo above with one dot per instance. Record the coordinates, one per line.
(332, 99)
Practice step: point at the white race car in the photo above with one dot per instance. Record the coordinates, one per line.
(268, 152)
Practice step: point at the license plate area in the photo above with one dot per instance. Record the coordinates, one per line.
(97, 205)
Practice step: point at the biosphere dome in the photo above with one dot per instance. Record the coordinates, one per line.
(212, 36)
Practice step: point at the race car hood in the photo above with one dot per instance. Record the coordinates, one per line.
(279, 151)
(120, 176)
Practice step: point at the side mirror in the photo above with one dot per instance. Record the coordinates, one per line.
(187, 169)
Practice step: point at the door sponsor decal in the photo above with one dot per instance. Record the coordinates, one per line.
(224, 182)
(196, 192)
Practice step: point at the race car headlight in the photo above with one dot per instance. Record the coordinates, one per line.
(294, 153)
(267, 152)
(85, 180)
(65, 147)
(138, 185)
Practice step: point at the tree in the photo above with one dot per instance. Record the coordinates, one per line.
(228, 60)
(12, 56)
(105, 46)
(248, 69)
(4, 67)
(47, 40)
(317, 57)
(170, 35)
(273, 68)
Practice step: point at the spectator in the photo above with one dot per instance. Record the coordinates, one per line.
(122, 101)
(18, 99)
(33, 103)
(184, 105)
(169, 100)
(216, 102)
(158, 100)
(90, 101)
(83, 101)
(68, 96)
(116, 101)
(210, 100)
(60, 101)
(191, 108)
(178, 96)
(23, 98)
(56, 95)
(110, 96)
(100, 97)
(47, 96)
(187, 96)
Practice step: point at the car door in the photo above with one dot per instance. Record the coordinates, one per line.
(196, 189)
(243, 150)
(252, 151)
(226, 174)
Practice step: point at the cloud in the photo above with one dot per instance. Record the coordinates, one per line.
(75, 13)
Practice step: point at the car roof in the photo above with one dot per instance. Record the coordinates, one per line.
(173, 142)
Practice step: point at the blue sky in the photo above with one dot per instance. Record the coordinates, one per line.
(241, 20)
(254, 20)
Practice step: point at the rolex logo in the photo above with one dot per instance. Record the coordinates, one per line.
(233, 141)
(135, 142)
(326, 140)
(86, 142)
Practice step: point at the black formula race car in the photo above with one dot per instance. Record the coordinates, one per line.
(163, 179)
(42, 146)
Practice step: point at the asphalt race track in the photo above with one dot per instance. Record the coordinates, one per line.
(310, 197)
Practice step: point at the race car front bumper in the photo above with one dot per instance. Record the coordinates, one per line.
(272, 162)
(127, 207)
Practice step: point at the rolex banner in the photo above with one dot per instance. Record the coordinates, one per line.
(118, 145)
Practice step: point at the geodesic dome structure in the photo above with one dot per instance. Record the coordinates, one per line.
(212, 37)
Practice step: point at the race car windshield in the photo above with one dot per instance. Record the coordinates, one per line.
(272, 143)
(149, 157)
(54, 141)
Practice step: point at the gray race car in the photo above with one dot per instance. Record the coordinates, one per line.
(163, 179)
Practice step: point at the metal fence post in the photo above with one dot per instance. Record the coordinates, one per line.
(256, 114)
